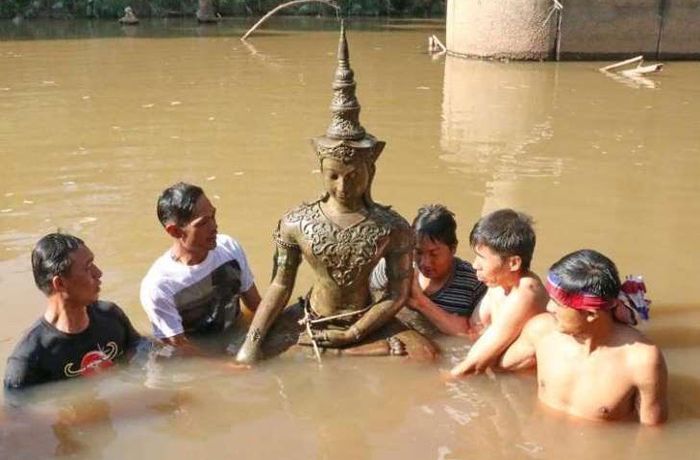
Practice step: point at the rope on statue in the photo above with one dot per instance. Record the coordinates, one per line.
(306, 321)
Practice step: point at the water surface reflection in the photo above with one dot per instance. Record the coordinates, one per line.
(96, 124)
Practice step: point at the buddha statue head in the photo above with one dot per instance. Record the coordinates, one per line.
(346, 147)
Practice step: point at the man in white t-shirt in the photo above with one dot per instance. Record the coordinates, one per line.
(194, 288)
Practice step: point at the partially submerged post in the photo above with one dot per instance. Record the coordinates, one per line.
(129, 18)
(206, 13)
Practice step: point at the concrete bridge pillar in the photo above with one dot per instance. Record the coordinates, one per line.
(501, 29)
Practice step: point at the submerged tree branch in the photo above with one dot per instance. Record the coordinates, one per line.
(285, 5)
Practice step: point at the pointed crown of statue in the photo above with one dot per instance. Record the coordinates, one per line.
(345, 139)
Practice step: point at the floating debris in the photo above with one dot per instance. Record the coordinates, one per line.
(423, 87)
(6, 210)
(175, 103)
(427, 410)
(435, 46)
(530, 447)
(211, 118)
(9, 194)
(463, 418)
(87, 220)
(210, 178)
(147, 106)
(217, 197)
(28, 202)
(5, 89)
(85, 98)
(632, 76)
(315, 171)
(238, 173)
(443, 452)
(69, 182)
(175, 137)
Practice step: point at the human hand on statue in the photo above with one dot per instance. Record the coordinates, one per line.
(417, 298)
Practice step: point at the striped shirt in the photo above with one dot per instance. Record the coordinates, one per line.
(460, 295)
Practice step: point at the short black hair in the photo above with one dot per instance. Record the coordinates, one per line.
(587, 272)
(51, 257)
(176, 204)
(436, 222)
(506, 232)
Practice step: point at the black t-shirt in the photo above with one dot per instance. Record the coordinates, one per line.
(46, 354)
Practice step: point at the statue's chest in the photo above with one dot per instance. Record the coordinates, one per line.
(344, 252)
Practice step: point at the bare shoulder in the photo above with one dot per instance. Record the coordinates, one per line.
(531, 285)
(640, 352)
(529, 295)
(540, 326)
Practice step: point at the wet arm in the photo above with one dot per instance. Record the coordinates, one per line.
(652, 378)
(481, 316)
(446, 322)
(287, 260)
(497, 337)
(21, 373)
(521, 354)
(184, 347)
(251, 298)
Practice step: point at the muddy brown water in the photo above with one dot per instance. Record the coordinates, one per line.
(97, 119)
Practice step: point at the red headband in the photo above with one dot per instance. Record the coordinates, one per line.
(577, 301)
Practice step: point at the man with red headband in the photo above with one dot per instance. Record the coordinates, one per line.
(590, 364)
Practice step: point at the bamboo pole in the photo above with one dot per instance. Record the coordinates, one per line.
(285, 5)
(607, 68)
(643, 70)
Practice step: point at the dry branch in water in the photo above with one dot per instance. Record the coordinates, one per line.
(285, 5)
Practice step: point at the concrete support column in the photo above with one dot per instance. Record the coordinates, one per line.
(501, 29)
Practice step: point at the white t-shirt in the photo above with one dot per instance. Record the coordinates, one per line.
(196, 298)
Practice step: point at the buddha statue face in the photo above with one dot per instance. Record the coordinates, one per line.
(346, 183)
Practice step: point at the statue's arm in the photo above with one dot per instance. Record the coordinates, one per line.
(400, 273)
(286, 262)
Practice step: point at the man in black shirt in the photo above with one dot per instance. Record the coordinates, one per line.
(78, 334)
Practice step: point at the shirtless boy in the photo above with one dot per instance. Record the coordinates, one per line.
(588, 364)
(503, 242)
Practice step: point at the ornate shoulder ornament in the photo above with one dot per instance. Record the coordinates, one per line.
(296, 215)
